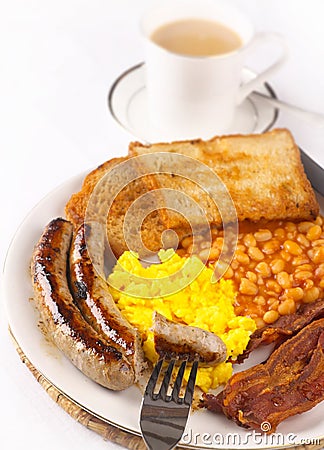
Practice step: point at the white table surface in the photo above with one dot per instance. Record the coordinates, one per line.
(57, 62)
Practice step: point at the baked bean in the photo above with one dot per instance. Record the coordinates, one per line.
(291, 227)
(308, 284)
(301, 238)
(229, 273)
(214, 254)
(308, 267)
(214, 232)
(314, 233)
(204, 254)
(248, 287)
(280, 233)
(260, 281)
(242, 257)
(260, 323)
(321, 284)
(318, 255)
(251, 276)
(241, 270)
(303, 227)
(319, 272)
(186, 241)
(294, 293)
(299, 260)
(277, 265)
(310, 295)
(260, 300)
(274, 305)
(292, 247)
(255, 254)
(302, 275)
(272, 300)
(319, 221)
(263, 235)
(263, 269)
(274, 286)
(249, 240)
(182, 252)
(285, 256)
(219, 242)
(287, 307)
(284, 280)
(270, 316)
(271, 247)
(189, 249)
(318, 242)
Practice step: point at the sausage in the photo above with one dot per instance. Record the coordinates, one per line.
(66, 327)
(91, 294)
(174, 340)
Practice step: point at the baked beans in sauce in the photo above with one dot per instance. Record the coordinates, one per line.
(276, 267)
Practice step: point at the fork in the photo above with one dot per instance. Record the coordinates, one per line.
(164, 417)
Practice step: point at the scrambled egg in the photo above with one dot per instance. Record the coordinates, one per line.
(193, 300)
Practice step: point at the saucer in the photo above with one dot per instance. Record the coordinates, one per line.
(127, 103)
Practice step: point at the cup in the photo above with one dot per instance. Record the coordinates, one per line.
(190, 96)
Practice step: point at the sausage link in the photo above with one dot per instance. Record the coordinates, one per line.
(66, 326)
(91, 294)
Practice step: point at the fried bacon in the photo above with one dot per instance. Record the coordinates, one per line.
(290, 382)
(285, 327)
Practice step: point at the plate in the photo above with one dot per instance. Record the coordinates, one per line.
(127, 103)
(121, 409)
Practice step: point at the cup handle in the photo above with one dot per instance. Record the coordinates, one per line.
(260, 38)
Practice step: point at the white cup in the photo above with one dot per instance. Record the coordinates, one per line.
(189, 96)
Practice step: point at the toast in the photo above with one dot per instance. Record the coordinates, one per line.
(263, 174)
(106, 197)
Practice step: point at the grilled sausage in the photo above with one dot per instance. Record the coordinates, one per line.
(66, 326)
(90, 291)
(174, 340)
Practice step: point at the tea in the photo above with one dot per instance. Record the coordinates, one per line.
(196, 37)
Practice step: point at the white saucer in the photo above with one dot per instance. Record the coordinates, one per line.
(127, 104)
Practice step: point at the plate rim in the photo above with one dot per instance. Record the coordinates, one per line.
(77, 178)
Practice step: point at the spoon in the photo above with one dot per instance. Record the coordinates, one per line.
(312, 117)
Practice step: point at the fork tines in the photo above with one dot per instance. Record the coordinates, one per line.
(163, 415)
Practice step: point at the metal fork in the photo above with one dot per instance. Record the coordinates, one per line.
(164, 417)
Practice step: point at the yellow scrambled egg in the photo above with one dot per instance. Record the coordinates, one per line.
(139, 291)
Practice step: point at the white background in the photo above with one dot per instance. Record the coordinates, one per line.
(57, 61)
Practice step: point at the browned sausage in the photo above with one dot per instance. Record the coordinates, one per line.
(66, 326)
(175, 340)
(90, 291)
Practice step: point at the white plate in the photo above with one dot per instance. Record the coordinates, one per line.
(118, 408)
(127, 103)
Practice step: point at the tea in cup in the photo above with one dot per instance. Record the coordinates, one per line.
(195, 56)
